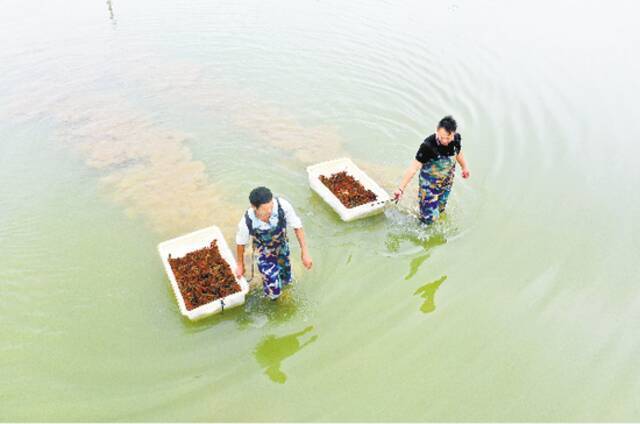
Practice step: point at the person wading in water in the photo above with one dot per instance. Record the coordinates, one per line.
(265, 222)
(436, 160)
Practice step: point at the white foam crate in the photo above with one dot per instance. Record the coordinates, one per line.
(345, 164)
(179, 247)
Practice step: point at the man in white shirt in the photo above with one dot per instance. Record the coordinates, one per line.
(265, 222)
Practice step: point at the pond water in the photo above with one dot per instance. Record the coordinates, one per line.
(123, 124)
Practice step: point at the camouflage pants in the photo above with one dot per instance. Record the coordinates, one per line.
(436, 179)
(275, 266)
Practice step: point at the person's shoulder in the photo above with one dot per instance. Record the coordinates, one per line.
(292, 217)
(284, 203)
(430, 139)
(428, 143)
(243, 219)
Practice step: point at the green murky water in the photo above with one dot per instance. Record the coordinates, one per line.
(123, 124)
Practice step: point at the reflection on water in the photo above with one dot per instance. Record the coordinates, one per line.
(415, 265)
(272, 350)
(428, 293)
(432, 242)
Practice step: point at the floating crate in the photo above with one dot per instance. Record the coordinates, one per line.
(345, 164)
(179, 247)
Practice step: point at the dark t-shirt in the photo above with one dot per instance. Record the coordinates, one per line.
(430, 149)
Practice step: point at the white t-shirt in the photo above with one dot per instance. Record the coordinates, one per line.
(243, 236)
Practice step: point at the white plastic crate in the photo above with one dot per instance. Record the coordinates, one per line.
(179, 247)
(345, 164)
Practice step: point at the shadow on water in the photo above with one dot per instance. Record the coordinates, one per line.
(405, 229)
(426, 245)
(272, 350)
(428, 293)
(415, 264)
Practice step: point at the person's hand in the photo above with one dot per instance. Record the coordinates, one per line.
(465, 173)
(240, 270)
(306, 260)
(397, 195)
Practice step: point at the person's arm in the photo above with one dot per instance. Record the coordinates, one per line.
(463, 164)
(306, 258)
(408, 176)
(240, 260)
(295, 222)
(242, 238)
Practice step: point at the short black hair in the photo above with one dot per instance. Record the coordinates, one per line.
(448, 123)
(260, 196)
